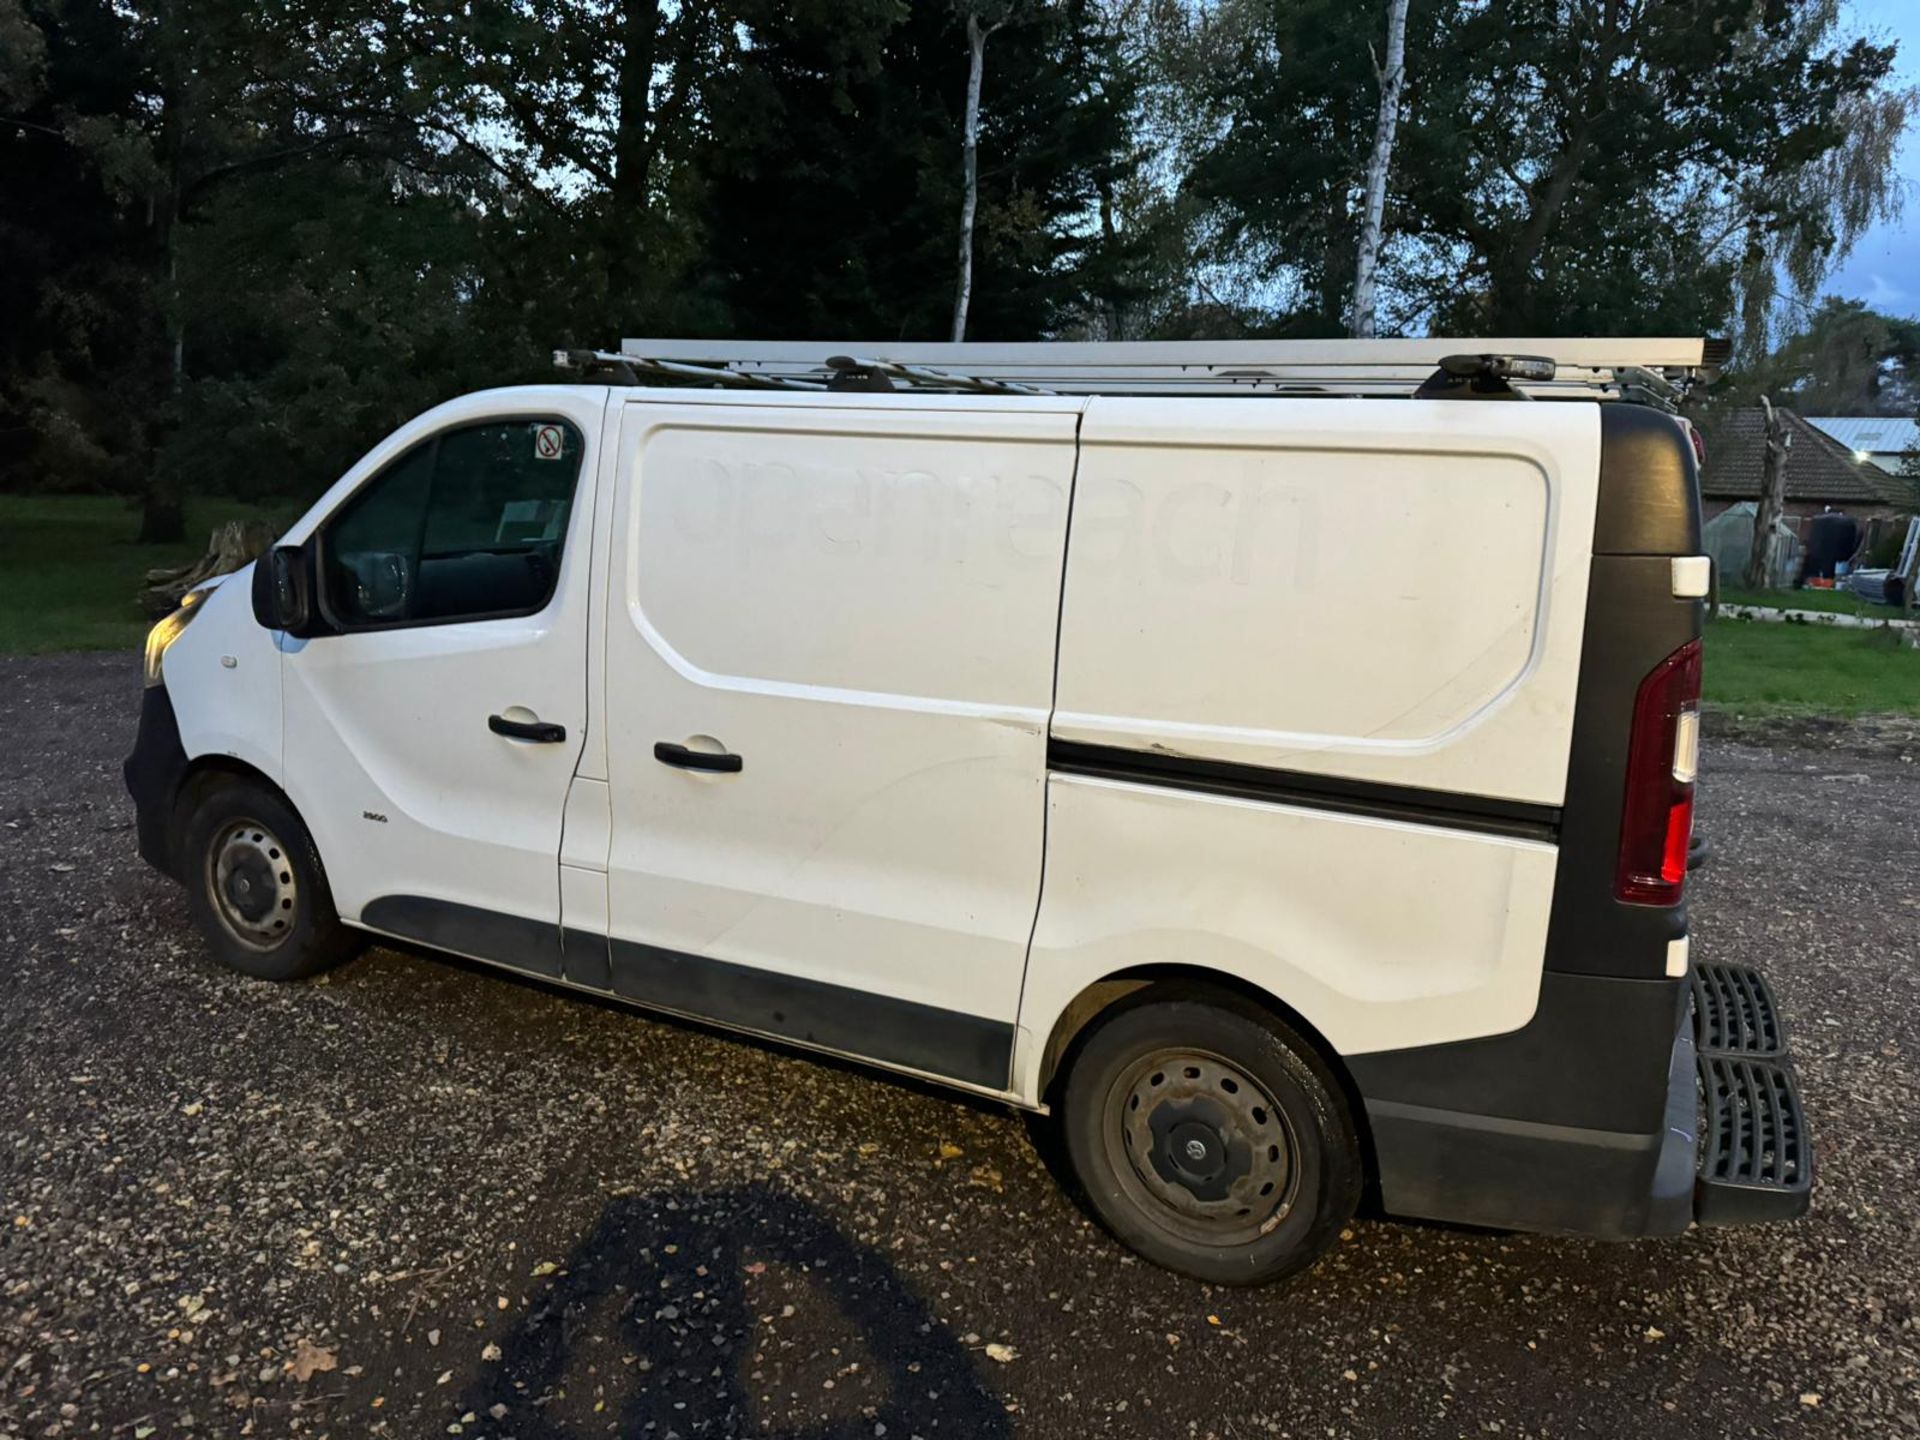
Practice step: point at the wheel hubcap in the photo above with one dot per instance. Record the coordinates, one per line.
(1203, 1146)
(250, 879)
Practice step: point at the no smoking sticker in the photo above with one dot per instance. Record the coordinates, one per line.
(549, 441)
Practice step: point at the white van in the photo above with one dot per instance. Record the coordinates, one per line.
(1273, 760)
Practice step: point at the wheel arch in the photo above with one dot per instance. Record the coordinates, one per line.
(1100, 998)
(205, 771)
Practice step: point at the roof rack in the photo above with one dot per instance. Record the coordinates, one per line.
(1656, 371)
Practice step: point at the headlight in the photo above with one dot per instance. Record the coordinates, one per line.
(168, 630)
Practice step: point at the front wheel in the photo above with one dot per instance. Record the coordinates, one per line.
(255, 885)
(1211, 1139)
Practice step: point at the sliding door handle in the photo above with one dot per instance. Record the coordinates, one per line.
(542, 731)
(725, 762)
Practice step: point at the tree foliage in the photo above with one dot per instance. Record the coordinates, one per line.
(237, 243)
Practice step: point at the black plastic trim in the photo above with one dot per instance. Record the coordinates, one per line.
(1467, 1167)
(585, 958)
(1633, 623)
(1480, 814)
(153, 773)
(525, 944)
(851, 1021)
(1593, 1057)
(970, 1049)
(1649, 484)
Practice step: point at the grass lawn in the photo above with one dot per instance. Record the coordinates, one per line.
(1843, 601)
(69, 569)
(1757, 667)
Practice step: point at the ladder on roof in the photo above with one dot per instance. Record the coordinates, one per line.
(1659, 371)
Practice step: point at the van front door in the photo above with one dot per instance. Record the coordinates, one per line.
(829, 667)
(431, 740)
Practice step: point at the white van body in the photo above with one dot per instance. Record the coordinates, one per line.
(1035, 699)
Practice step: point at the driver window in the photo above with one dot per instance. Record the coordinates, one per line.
(468, 525)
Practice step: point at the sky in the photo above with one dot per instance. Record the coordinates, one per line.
(1884, 268)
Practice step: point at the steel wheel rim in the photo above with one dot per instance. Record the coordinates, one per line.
(250, 880)
(1201, 1147)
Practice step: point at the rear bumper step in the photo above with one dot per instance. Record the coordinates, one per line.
(1734, 1013)
(1756, 1157)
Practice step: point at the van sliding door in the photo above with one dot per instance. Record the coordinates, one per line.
(829, 669)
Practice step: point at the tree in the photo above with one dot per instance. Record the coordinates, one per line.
(977, 37)
(1560, 166)
(1847, 360)
(1278, 121)
(1612, 164)
(827, 192)
(1392, 77)
(1773, 485)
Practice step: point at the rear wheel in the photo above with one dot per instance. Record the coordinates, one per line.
(255, 884)
(1210, 1138)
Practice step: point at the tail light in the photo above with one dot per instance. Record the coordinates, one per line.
(1657, 822)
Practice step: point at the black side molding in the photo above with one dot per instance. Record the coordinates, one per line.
(971, 1049)
(530, 945)
(851, 1021)
(1481, 814)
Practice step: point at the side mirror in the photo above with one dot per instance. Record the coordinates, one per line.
(283, 591)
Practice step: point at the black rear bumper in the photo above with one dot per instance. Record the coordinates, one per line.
(154, 772)
(1577, 1125)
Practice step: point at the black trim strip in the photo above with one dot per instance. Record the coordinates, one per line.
(1481, 814)
(849, 1021)
(530, 945)
(883, 1028)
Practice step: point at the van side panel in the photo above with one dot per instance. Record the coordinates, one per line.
(1380, 933)
(1388, 591)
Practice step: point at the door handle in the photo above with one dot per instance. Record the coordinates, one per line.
(543, 731)
(725, 762)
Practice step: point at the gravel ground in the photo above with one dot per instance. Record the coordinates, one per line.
(420, 1198)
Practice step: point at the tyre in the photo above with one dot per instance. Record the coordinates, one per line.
(1211, 1139)
(255, 885)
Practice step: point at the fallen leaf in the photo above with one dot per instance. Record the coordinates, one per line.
(545, 1267)
(309, 1359)
(1005, 1354)
(1213, 1319)
(950, 1151)
(1654, 1332)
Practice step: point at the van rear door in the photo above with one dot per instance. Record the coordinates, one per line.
(829, 666)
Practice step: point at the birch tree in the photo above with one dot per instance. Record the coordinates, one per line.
(977, 36)
(1392, 79)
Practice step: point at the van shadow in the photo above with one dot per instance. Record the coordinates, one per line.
(732, 1312)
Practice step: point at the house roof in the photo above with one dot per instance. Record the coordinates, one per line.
(1870, 434)
(1819, 468)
